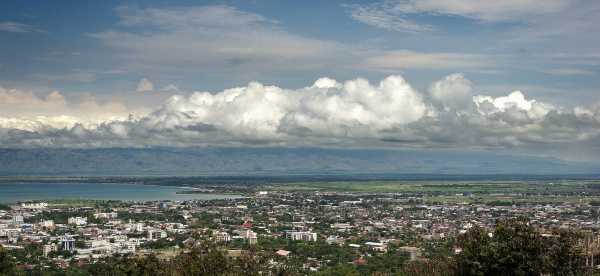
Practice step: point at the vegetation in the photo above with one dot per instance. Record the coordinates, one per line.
(515, 246)
(7, 266)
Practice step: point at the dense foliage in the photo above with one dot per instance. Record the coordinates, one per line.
(4, 207)
(516, 246)
(7, 266)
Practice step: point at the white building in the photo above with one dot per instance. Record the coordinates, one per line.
(47, 224)
(34, 205)
(334, 240)
(77, 221)
(156, 234)
(342, 227)
(139, 227)
(377, 246)
(302, 236)
(251, 237)
(111, 215)
(128, 247)
(67, 243)
(17, 220)
(222, 237)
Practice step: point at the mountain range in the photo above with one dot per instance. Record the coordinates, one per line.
(275, 161)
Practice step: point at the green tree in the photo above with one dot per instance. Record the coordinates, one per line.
(516, 248)
(563, 255)
(207, 260)
(476, 253)
(7, 266)
(339, 270)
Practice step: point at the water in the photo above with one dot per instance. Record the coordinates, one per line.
(13, 192)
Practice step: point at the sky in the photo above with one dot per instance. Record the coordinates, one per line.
(514, 76)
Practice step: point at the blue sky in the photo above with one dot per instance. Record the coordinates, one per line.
(96, 62)
(55, 48)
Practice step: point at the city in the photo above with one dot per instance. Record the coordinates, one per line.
(294, 228)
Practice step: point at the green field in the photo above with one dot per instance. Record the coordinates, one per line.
(573, 191)
(564, 186)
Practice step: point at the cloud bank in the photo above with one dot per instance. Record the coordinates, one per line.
(26, 111)
(354, 113)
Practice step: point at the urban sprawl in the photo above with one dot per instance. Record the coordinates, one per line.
(305, 229)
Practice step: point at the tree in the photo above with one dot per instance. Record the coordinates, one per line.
(516, 248)
(339, 270)
(7, 266)
(433, 267)
(563, 255)
(206, 260)
(476, 253)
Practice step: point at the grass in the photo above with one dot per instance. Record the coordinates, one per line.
(437, 186)
(573, 191)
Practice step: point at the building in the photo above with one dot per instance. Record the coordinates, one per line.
(302, 236)
(335, 240)
(156, 234)
(48, 224)
(222, 237)
(342, 227)
(251, 237)
(283, 253)
(77, 221)
(129, 247)
(111, 215)
(67, 243)
(17, 220)
(34, 205)
(48, 248)
(377, 246)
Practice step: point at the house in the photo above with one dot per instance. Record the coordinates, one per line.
(283, 253)
(222, 237)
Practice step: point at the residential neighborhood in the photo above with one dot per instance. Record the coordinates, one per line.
(315, 229)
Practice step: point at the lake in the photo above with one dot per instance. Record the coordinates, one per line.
(13, 192)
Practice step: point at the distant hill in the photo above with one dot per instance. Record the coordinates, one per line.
(235, 161)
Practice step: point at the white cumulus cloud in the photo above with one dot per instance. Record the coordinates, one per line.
(353, 113)
(20, 109)
(454, 91)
